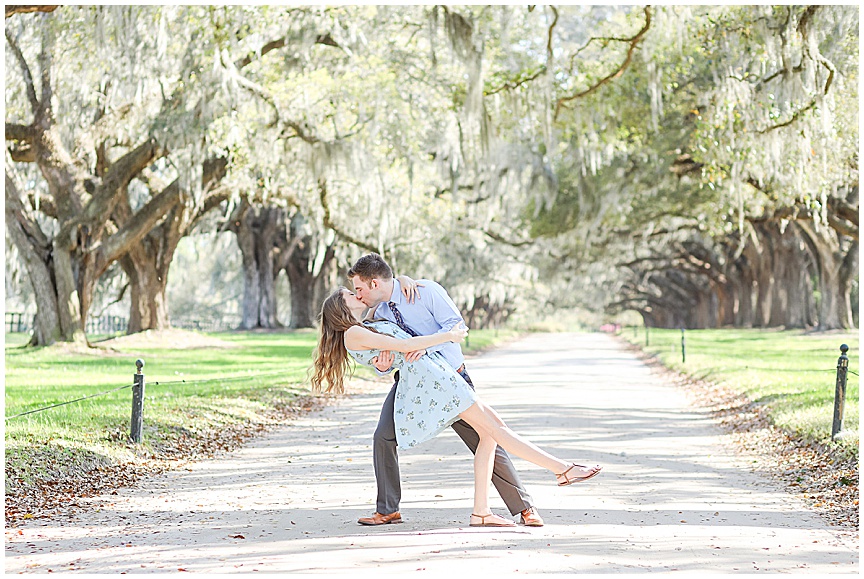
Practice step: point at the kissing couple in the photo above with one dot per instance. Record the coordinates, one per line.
(417, 330)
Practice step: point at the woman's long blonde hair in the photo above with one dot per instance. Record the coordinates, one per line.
(330, 360)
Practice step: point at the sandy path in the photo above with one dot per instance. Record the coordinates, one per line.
(671, 497)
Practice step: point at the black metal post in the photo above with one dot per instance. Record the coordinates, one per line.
(683, 354)
(137, 403)
(840, 391)
(646, 335)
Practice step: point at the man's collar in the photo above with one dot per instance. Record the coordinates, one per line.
(396, 296)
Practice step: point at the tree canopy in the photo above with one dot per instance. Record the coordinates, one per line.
(695, 164)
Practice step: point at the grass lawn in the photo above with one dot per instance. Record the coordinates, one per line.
(791, 373)
(233, 378)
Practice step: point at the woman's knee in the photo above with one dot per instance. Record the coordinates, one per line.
(483, 418)
(486, 444)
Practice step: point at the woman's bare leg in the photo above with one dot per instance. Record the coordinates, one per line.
(484, 459)
(487, 422)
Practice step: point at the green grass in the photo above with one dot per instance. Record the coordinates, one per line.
(792, 374)
(188, 393)
(37, 378)
(479, 340)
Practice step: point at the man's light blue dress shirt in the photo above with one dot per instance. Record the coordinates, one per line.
(432, 312)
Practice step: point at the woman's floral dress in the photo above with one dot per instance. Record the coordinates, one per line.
(430, 394)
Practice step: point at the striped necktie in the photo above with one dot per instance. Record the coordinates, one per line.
(399, 321)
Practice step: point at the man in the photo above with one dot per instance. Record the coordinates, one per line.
(432, 311)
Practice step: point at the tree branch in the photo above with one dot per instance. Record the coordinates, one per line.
(843, 227)
(844, 210)
(15, 132)
(272, 45)
(301, 132)
(792, 213)
(43, 204)
(816, 56)
(517, 83)
(214, 199)
(795, 116)
(22, 151)
(634, 41)
(26, 9)
(804, 213)
(17, 213)
(670, 262)
(25, 70)
(324, 39)
(328, 221)
(683, 293)
(213, 170)
(259, 90)
(45, 68)
(117, 177)
(501, 239)
(549, 36)
(138, 226)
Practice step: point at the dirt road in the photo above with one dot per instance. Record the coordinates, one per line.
(672, 496)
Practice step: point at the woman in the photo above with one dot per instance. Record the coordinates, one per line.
(430, 396)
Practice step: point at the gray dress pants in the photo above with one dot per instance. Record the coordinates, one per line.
(386, 462)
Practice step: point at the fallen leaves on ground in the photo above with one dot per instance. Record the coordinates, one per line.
(69, 486)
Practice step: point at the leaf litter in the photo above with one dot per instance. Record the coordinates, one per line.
(67, 480)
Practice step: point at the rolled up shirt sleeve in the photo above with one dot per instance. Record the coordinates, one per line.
(443, 310)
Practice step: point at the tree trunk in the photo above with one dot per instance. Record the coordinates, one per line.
(258, 232)
(848, 271)
(727, 301)
(796, 282)
(799, 296)
(149, 307)
(476, 314)
(82, 249)
(761, 257)
(484, 314)
(830, 259)
(251, 279)
(744, 307)
(702, 315)
(308, 285)
(310, 265)
(303, 311)
(148, 263)
(782, 274)
(35, 251)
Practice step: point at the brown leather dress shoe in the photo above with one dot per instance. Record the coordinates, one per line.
(379, 519)
(530, 518)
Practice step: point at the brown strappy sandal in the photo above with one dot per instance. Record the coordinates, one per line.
(594, 471)
(483, 522)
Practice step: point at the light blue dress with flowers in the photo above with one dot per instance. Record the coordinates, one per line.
(430, 394)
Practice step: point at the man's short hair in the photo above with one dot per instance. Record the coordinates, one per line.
(371, 266)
